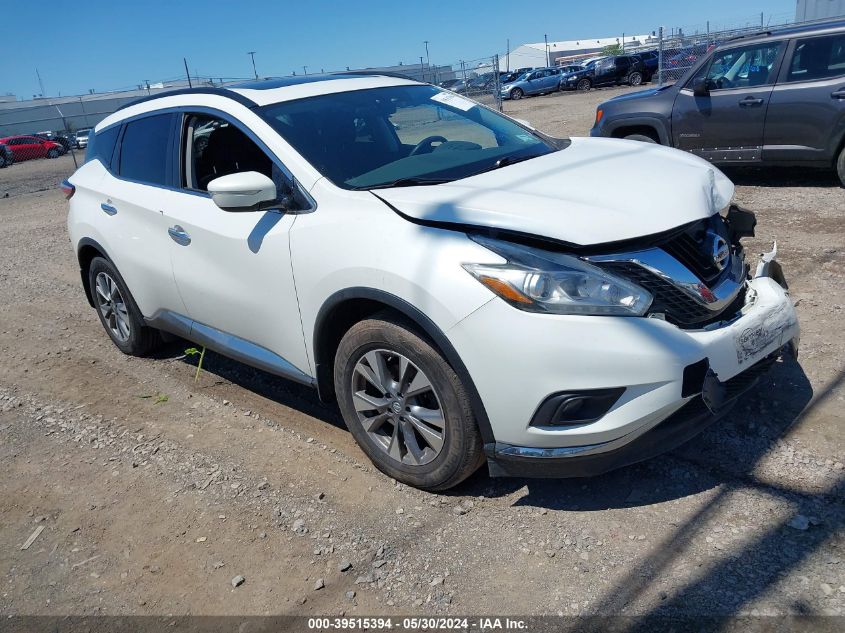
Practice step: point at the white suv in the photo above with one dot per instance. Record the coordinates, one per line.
(466, 287)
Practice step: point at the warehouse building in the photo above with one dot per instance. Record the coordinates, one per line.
(534, 55)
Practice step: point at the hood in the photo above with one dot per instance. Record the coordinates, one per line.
(640, 94)
(595, 191)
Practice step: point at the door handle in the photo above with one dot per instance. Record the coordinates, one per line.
(750, 101)
(108, 209)
(838, 94)
(178, 234)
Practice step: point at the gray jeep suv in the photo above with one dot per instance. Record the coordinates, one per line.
(773, 98)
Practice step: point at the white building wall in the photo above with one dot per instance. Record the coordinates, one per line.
(819, 9)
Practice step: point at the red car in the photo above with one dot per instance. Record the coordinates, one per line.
(26, 147)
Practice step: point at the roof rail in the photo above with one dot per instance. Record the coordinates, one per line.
(207, 90)
(377, 73)
(747, 35)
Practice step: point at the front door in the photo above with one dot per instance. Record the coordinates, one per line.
(233, 269)
(727, 124)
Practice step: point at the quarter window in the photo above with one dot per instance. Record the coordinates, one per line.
(144, 149)
(101, 145)
(817, 58)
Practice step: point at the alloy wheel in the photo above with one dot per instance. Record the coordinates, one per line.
(398, 407)
(112, 307)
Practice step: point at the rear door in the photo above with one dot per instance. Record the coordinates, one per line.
(806, 116)
(727, 124)
(131, 205)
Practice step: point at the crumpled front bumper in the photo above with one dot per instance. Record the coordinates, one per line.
(737, 354)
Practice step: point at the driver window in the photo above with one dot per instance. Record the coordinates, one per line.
(451, 131)
(744, 67)
(213, 147)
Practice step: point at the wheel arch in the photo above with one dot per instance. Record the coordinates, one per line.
(86, 251)
(640, 125)
(346, 307)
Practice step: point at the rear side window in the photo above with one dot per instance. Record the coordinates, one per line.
(101, 146)
(144, 149)
(818, 58)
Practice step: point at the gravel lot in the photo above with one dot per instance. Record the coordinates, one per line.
(155, 492)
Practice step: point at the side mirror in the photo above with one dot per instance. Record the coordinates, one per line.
(701, 87)
(246, 191)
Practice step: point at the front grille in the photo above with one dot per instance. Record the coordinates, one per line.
(692, 248)
(678, 307)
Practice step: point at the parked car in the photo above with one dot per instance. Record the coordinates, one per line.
(536, 82)
(422, 276)
(578, 79)
(28, 147)
(569, 68)
(775, 98)
(62, 142)
(609, 71)
(509, 77)
(448, 83)
(6, 155)
(82, 138)
(650, 63)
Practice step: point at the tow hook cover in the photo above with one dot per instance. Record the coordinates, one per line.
(713, 392)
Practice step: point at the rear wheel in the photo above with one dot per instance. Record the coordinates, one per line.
(53, 153)
(584, 84)
(635, 78)
(118, 311)
(405, 406)
(840, 166)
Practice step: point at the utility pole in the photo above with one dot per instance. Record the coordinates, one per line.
(546, 40)
(40, 83)
(252, 54)
(305, 69)
(190, 85)
(422, 69)
(508, 56)
(147, 82)
(623, 43)
(431, 77)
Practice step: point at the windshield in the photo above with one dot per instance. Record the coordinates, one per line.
(400, 135)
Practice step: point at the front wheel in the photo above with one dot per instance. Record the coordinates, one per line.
(584, 85)
(405, 406)
(517, 94)
(640, 137)
(840, 166)
(53, 153)
(635, 78)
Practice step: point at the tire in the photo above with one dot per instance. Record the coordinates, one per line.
(517, 94)
(584, 84)
(373, 352)
(118, 312)
(635, 78)
(640, 137)
(53, 153)
(4, 162)
(840, 166)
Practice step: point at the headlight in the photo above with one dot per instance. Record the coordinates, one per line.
(543, 281)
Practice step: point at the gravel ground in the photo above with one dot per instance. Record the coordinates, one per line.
(150, 493)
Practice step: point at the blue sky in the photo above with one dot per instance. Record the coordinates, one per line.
(112, 44)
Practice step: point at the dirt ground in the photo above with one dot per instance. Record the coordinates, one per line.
(151, 492)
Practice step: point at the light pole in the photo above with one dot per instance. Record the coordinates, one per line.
(546, 40)
(252, 54)
(305, 69)
(428, 59)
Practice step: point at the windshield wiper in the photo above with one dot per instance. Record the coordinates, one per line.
(504, 161)
(404, 182)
